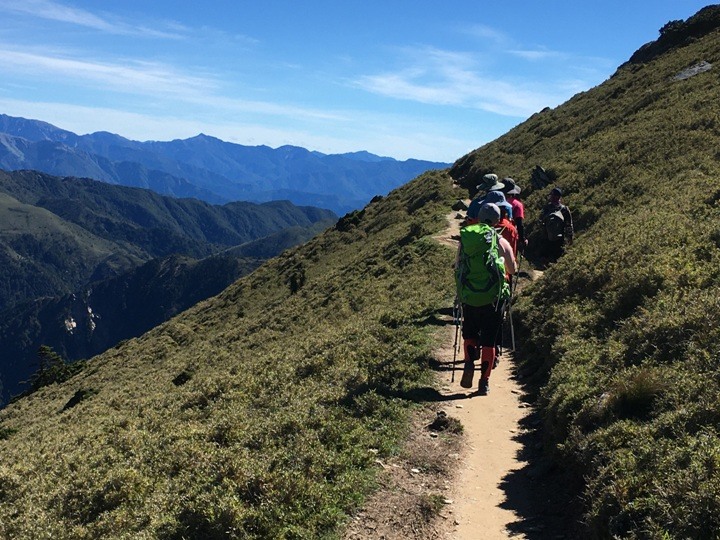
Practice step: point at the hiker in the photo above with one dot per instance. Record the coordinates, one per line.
(506, 229)
(488, 184)
(504, 226)
(512, 192)
(482, 261)
(557, 223)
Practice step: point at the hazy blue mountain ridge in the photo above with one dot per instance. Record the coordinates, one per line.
(217, 171)
(57, 158)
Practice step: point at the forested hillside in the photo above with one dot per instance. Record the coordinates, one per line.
(58, 234)
(262, 412)
(84, 264)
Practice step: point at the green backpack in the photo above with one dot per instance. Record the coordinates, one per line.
(480, 273)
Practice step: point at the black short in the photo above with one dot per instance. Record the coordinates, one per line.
(482, 323)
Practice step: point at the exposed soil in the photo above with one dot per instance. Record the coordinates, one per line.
(491, 480)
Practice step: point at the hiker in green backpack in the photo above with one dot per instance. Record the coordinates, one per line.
(482, 261)
(557, 224)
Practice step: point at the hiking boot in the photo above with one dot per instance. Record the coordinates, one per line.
(484, 387)
(468, 372)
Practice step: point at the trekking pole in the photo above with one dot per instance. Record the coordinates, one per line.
(457, 314)
(513, 287)
(520, 258)
(512, 328)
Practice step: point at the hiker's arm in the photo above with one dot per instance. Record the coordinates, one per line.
(506, 253)
(521, 233)
(569, 229)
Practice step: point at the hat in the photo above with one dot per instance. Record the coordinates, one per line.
(490, 183)
(490, 178)
(488, 212)
(556, 191)
(511, 188)
(498, 198)
(474, 207)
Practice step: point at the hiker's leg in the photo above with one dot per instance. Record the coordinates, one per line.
(499, 333)
(492, 319)
(488, 338)
(487, 361)
(472, 353)
(471, 344)
(471, 348)
(471, 322)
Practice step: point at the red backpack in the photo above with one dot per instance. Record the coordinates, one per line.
(508, 231)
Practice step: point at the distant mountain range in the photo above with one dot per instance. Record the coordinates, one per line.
(207, 168)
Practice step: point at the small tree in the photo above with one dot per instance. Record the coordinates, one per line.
(53, 369)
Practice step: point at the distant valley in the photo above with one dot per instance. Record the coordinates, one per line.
(85, 264)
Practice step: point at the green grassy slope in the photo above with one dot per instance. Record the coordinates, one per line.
(624, 331)
(40, 253)
(256, 414)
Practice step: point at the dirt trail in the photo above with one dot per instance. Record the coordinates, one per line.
(491, 424)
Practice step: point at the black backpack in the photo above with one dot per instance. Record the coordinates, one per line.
(555, 224)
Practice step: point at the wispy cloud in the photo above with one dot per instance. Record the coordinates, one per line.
(452, 78)
(132, 76)
(488, 34)
(537, 54)
(55, 11)
(149, 79)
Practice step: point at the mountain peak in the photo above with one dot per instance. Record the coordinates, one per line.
(204, 138)
(364, 155)
(213, 169)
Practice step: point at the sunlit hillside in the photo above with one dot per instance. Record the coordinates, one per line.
(259, 413)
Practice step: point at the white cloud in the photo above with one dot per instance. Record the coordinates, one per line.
(151, 80)
(488, 34)
(55, 11)
(52, 10)
(534, 55)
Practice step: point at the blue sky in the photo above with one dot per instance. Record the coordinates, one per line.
(407, 79)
